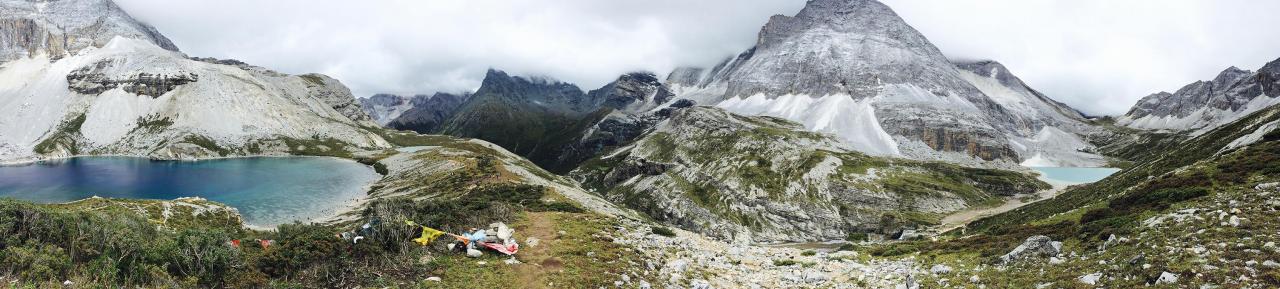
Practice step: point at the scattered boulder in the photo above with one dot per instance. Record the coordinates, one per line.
(1167, 278)
(1033, 247)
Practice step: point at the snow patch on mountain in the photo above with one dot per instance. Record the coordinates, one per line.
(851, 120)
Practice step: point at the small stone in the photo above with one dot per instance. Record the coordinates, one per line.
(974, 279)
(940, 269)
(645, 285)
(433, 278)
(1270, 264)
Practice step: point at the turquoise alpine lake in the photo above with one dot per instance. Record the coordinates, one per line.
(267, 191)
(1073, 176)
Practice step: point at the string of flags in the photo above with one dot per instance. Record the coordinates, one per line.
(428, 234)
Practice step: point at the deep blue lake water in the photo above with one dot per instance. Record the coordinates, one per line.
(1072, 176)
(266, 191)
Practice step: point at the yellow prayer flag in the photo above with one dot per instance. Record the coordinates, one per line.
(428, 235)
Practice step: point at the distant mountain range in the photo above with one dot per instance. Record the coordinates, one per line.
(856, 70)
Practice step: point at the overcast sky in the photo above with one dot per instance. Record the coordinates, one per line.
(1099, 56)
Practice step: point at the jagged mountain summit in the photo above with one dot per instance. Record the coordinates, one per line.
(855, 69)
(98, 82)
(1204, 105)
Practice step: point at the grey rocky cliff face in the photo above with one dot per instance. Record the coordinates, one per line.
(1206, 104)
(765, 179)
(62, 27)
(91, 80)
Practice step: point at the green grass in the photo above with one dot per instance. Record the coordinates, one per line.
(65, 136)
(207, 144)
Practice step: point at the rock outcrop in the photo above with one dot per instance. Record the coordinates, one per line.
(1033, 247)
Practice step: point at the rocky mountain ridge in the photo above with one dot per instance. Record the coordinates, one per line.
(1204, 105)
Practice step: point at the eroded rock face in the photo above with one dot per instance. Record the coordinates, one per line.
(92, 80)
(59, 28)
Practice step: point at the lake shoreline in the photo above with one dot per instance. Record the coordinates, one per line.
(330, 209)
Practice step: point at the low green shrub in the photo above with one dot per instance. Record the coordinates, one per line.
(662, 231)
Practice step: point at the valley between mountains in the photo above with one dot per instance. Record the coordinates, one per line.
(843, 150)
